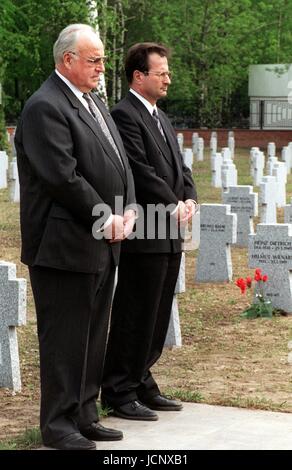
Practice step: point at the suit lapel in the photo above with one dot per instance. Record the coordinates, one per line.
(152, 126)
(86, 117)
(171, 139)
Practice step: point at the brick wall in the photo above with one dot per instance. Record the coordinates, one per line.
(244, 138)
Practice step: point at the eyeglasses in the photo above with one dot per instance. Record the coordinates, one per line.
(161, 75)
(93, 62)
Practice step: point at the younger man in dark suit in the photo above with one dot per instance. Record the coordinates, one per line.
(70, 159)
(148, 267)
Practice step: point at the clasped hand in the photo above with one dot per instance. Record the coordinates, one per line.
(121, 226)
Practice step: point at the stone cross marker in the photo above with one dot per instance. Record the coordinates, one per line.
(12, 314)
(180, 140)
(200, 152)
(267, 200)
(188, 158)
(195, 137)
(288, 213)
(14, 190)
(216, 163)
(258, 167)
(173, 337)
(218, 231)
(271, 250)
(244, 203)
(280, 173)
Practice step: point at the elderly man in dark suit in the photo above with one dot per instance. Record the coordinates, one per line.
(149, 265)
(71, 159)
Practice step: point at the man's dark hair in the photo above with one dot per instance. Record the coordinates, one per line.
(137, 57)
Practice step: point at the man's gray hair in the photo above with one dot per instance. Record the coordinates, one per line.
(67, 39)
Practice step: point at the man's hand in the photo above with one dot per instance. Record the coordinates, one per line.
(181, 213)
(115, 231)
(129, 222)
(191, 207)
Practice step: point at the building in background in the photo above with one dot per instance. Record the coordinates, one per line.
(270, 94)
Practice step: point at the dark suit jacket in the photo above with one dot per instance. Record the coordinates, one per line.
(159, 172)
(66, 166)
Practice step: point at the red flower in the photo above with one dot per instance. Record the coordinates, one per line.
(248, 281)
(258, 275)
(241, 284)
(265, 278)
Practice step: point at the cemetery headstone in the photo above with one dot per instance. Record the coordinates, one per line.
(244, 203)
(12, 314)
(280, 173)
(216, 164)
(218, 231)
(288, 213)
(173, 336)
(267, 200)
(188, 158)
(14, 182)
(180, 140)
(195, 137)
(258, 167)
(271, 250)
(200, 153)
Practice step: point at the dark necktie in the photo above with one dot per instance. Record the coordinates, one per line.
(99, 118)
(158, 123)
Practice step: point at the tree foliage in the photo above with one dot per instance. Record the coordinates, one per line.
(212, 41)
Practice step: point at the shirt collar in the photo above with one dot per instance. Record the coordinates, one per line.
(143, 100)
(72, 87)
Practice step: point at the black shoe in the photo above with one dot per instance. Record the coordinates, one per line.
(73, 441)
(134, 410)
(97, 432)
(160, 403)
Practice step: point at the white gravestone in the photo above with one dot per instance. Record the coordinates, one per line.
(12, 314)
(195, 138)
(216, 164)
(3, 170)
(244, 203)
(180, 286)
(286, 157)
(173, 336)
(290, 151)
(192, 234)
(270, 165)
(267, 200)
(231, 146)
(253, 150)
(271, 151)
(288, 213)
(258, 167)
(180, 140)
(228, 172)
(271, 250)
(188, 158)
(218, 231)
(200, 153)
(280, 173)
(213, 144)
(14, 182)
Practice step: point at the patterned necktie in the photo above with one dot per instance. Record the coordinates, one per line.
(99, 118)
(158, 123)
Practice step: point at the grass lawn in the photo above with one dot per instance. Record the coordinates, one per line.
(224, 360)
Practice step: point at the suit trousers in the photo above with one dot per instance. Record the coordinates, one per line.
(72, 316)
(139, 322)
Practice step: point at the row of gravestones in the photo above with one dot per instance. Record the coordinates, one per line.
(270, 248)
(197, 149)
